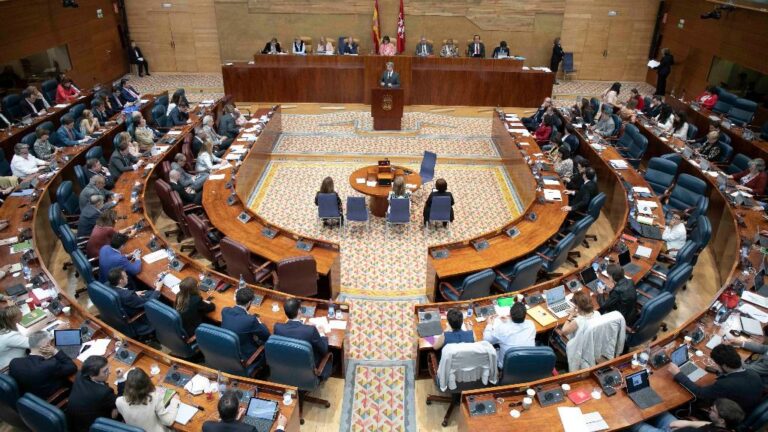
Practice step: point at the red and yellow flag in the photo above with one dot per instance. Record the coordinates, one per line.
(401, 29)
(375, 27)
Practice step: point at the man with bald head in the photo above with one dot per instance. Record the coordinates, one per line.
(96, 186)
(187, 194)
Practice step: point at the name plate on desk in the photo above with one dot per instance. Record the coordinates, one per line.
(439, 253)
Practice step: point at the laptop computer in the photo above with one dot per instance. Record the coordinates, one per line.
(625, 261)
(640, 391)
(589, 278)
(647, 231)
(260, 414)
(68, 341)
(759, 280)
(556, 301)
(680, 358)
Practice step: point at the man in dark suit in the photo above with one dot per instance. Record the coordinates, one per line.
(350, 46)
(424, 48)
(93, 167)
(111, 257)
(116, 99)
(622, 297)
(33, 104)
(91, 397)
(89, 214)
(187, 194)
(128, 92)
(582, 197)
(272, 47)
(99, 111)
(67, 135)
(133, 301)
(96, 186)
(123, 161)
(532, 123)
(137, 58)
(476, 48)
(229, 406)
(390, 78)
(45, 370)
(295, 329)
(251, 332)
(179, 114)
(227, 125)
(441, 187)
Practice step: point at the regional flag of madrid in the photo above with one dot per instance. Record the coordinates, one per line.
(401, 30)
(375, 32)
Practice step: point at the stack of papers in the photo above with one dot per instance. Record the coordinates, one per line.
(645, 220)
(643, 252)
(155, 256)
(641, 190)
(94, 347)
(198, 384)
(552, 195)
(597, 147)
(172, 282)
(185, 414)
(619, 163)
(237, 149)
(755, 298)
(754, 312)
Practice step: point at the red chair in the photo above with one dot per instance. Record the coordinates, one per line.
(296, 276)
(206, 239)
(241, 262)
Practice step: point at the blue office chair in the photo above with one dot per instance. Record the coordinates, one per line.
(221, 348)
(427, 169)
(131, 128)
(673, 281)
(517, 276)
(660, 174)
(726, 151)
(617, 126)
(169, 329)
(742, 112)
(103, 424)
(68, 200)
(82, 178)
(579, 231)
(632, 145)
(650, 320)
(673, 157)
(470, 287)
(686, 194)
(692, 131)
(48, 89)
(12, 107)
(292, 362)
(595, 102)
(739, 163)
(555, 256)
(96, 152)
(593, 209)
(328, 208)
(439, 211)
(55, 218)
(399, 212)
(162, 100)
(48, 125)
(764, 131)
(29, 139)
(357, 211)
(701, 234)
(158, 118)
(756, 420)
(568, 64)
(573, 143)
(5, 166)
(111, 311)
(725, 100)
(9, 397)
(41, 416)
(525, 364)
(83, 267)
(667, 263)
(77, 112)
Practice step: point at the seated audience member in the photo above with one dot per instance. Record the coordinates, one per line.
(188, 180)
(714, 126)
(674, 234)
(142, 404)
(622, 297)
(627, 111)
(350, 46)
(129, 92)
(45, 370)
(733, 382)
(23, 164)
(145, 135)
(708, 99)
(441, 189)
(96, 186)
(251, 332)
(638, 98)
(295, 329)
(88, 124)
(532, 123)
(544, 131)
(563, 163)
(191, 306)
(89, 215)
(501, 51)
(605, 127)
(582, 197)
(227, 123)
(33, 103)
(44, 150)
(187, 194)
(136, 57)
(327, 188)
(680, 126)
(229, 407)
(476, 48)
(178, 97)
(94, 167)
(711, 149)
(133, 146)
(100, 111)
(324, 46)
(272, 47)
(580, 164)
(510, 332)
(387, 48)
(654, 108)
(133, 301)
(91, 396)
(179, 115)
(111, 257)
(760, 366)
(584, 111)
(398, 190)
(123, 161)
(449, 49)
(206, 160)
(66, 92)
(116, 101)
(67, 134)
(12, 343)
(424, 48)
(753, 179)
(456, 334)
(666, 118)
(725, 415)
(103, 232)
(222, 142)
(579, 318)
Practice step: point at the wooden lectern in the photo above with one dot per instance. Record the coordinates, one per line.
(387, 108)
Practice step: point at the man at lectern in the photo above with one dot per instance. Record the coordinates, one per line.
(390, 78)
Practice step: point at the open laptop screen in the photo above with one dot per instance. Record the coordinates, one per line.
(555, 295)
(261, 409)
(637, 381)
(625, 258)
(680, 355)
(67, 337)
(588, 275)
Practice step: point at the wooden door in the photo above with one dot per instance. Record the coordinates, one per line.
(183, 37)
(593, 62)
(156, 41)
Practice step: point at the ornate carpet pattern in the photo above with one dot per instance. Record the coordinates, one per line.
(198, 87)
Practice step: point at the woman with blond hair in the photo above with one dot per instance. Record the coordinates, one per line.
(399, 191)
(133, 147)
(206, 160)
(88, 124)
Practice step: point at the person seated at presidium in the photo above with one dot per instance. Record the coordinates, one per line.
(753, 179)
(387, 48)
(455, 334)
(324, 46)
(441, 189)
(449, 49)
(272, 47)
(326, 187)
(251, 332)
(23, 164)
(299, 48)
(476, 48)
(424, 48)
(295, 329)
(510, 332)
(390, 78)
(350, 46)
(501, 51)
(229, 407)
(45, 370)
(142, 404)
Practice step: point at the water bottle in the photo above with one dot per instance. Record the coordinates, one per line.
(134, 195)
(221, 384)
(171, 255)
(331, 311)
(241, 284)
(26, 270)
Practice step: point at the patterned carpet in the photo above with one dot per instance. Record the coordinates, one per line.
(568, 92)
(198, 87)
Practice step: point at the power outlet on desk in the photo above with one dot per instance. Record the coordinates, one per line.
(304, 245)
(480, 245)
(232, 199)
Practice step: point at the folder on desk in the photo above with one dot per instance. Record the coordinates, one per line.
(541, 315)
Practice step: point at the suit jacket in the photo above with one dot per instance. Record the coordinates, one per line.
(297, 330)
(177, 118)
(583, 196)
(222, 426)
(420, 48)
(110, 258)
(109, 182)
(499, 51)
(126, 95)
(88, 217)
(267, 48)
(88, 401)
(119, 164)
(133, 303)
(134, 54)
(471, 50)
(744, 387)
(32, 109)
(90, 190)
(557, 54)
(622, 298)
(428, 204)
(117, 102)
(394, 80)
(350, 48)
(101, 115)
(68, 138)
(186, 197)
(40, 376)
(248, 328)
(227, 126)
(192, 315)
(665, 64)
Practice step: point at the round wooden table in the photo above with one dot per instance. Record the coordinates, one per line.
(378, 193)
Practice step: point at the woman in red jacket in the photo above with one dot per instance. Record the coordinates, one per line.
(544, 131)
(634, 94)
(754, 178)
(708, 99)
(66, 92)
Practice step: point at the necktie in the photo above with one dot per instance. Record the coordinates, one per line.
(69, 132)
(423, 49)
(477, 48)
(389, 75)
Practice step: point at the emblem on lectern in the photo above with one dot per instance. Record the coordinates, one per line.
(386, 102)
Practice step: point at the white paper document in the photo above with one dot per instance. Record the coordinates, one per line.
(185, 413)
(232, 156)
(94, 347)
(619, 163)
(572, 419)
(360, 180)
(552, 195)
(171, 281)
(643, 252)
(337, 324)
(155, 256)
(649, 204)
(755, 298)
(640, 190)
(754, 312)
(216, 177)
(653, 63)
(197, 384)
(595, 422)
(9, 240)
(174, 132)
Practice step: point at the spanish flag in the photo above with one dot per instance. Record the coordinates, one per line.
(375, 27)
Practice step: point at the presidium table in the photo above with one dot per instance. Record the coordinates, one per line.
(424, 80)
(375, 181)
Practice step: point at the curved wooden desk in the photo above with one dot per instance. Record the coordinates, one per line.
(379, 194)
